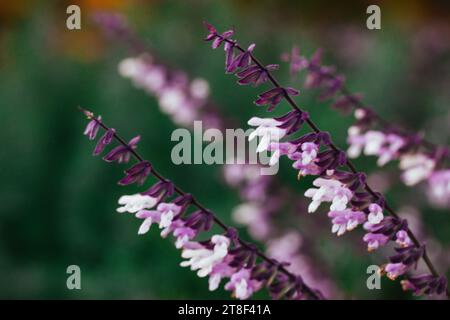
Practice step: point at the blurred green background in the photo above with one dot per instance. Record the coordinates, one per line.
(58, 202)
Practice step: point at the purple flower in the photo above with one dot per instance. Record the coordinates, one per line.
(218, 272)
(388, 227)
(352, 180)
(266, 272)
(345, 220)
(137, 173)
(320, 138)
(330, 160)
(104, 141)
(347, 103)
(274, 96)
(279, 149)
(93, 126)
(242, 285)
(243, 257)
(425, 284)
(285, 287)
(183, 235)
(375, 214)
(292, 121)
(393, 270)
(163, 189)
(405, 258)
(375, 240)
(305, 158)
(317, 74)
(255, 75)
(331, 86)
(122, 153)
(164, 215)
(215, 37)
(402, 238)
(200, 220)
(242, 60)
(297, 62)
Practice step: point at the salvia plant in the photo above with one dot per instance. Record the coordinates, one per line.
(353, 202)
(180, 215)
(184, 99)
(419, 159)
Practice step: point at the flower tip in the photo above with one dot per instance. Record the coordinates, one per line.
(209, 26)
(87, 113)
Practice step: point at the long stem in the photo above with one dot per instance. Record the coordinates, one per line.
(381, 121)
(197, 204)
(348, 163)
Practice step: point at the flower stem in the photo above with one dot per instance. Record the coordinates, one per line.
(311, 292)
(348, 163)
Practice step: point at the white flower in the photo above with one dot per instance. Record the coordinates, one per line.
(267, 130)
(356, 142)
(416, 167)
(168, 212)
(389, 152)
(242, 285)
(129, 67)
(203, 259)
(309, 152)
(171, 100)
(163, 215)
(329, 190)
(375, 214)
(199, 88)
(136, 202)
(218, 272)
(360, 113)
(154, 79)
(439, 187)
(374, 142)
(150, 217)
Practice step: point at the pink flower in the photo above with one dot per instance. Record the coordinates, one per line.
(403, 239)
(242, 286)
(306, 157)
(393, 270)
(345, 220)
(390, 150)
(183, 235)
(375, 240)
(375, 214)
(218, 272)
(439, 187)
(416, 167)
(279, 149)
(274, 96)
(163, 215)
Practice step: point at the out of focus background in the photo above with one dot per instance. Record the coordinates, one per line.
(58, 202)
